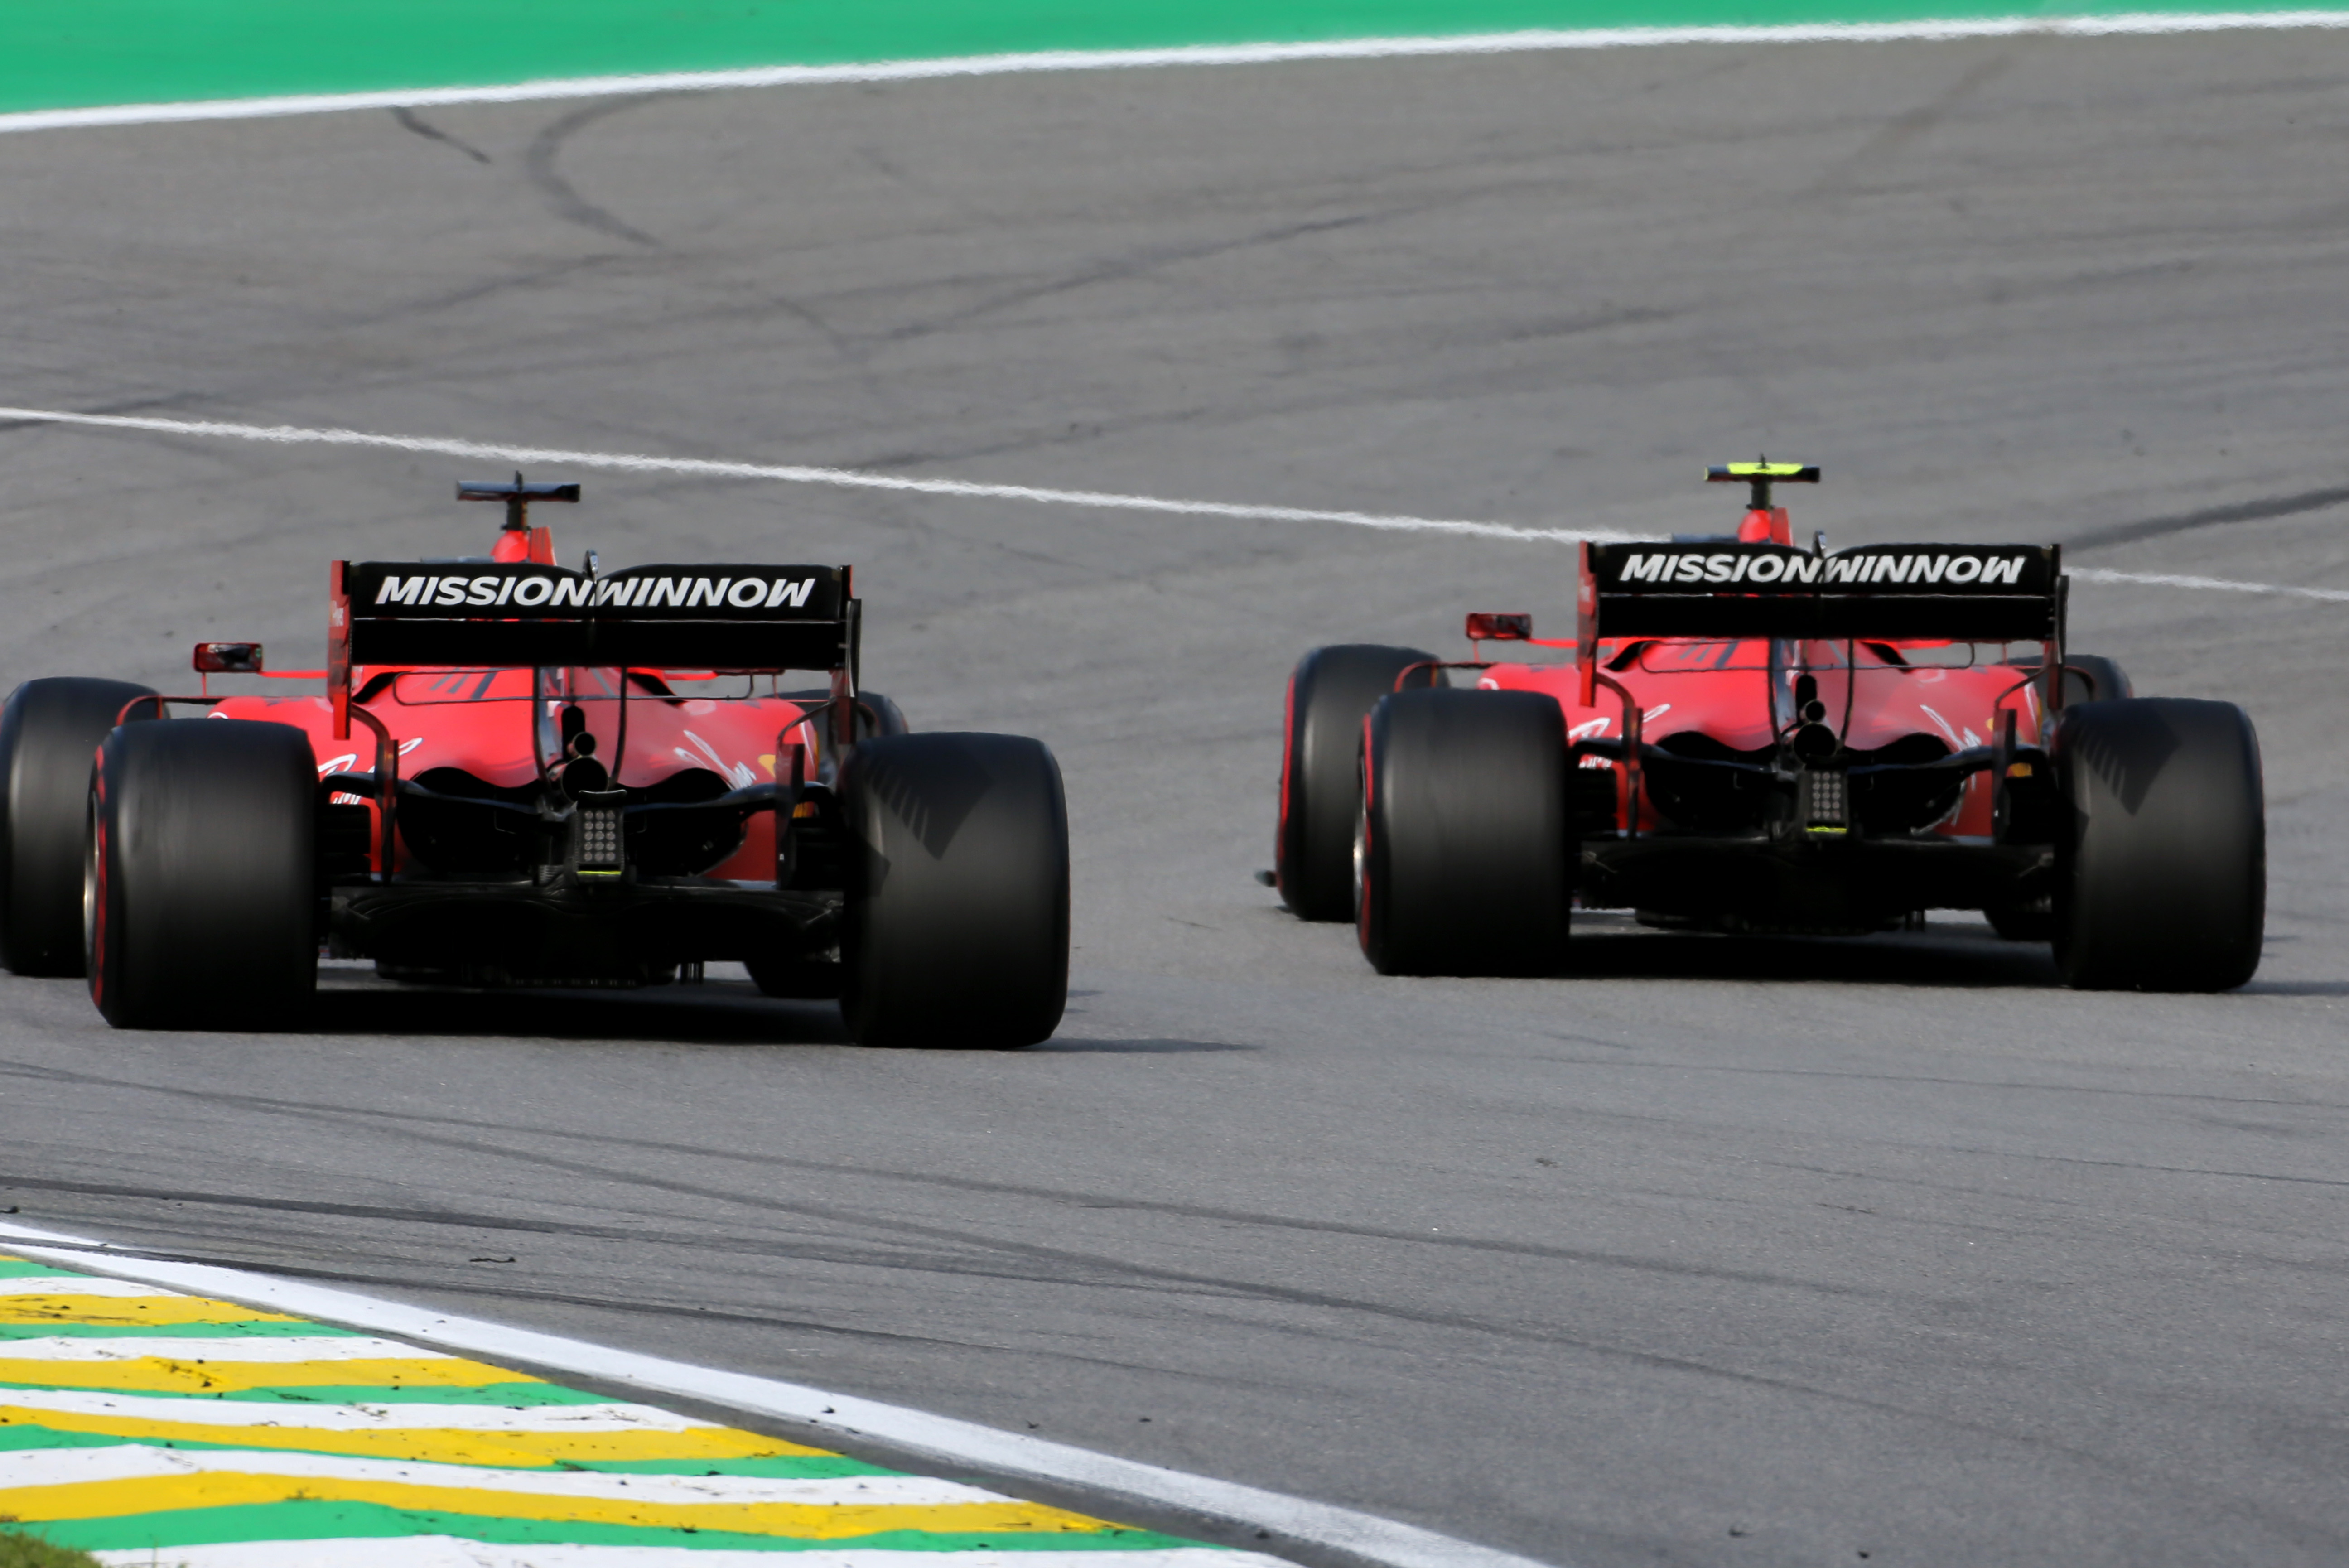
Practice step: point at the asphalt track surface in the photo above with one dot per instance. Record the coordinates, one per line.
(1717, 1251)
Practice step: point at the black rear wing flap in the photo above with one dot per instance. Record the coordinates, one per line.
(1979, 593)
(724, 617)
(753, 619)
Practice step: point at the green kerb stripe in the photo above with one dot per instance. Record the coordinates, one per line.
(323, 1520)
(779, 1466)
(510, 1396)
(171, 1331)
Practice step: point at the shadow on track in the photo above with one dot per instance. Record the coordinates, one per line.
(1962, 958)
(719, 1014)
(1137, 1047)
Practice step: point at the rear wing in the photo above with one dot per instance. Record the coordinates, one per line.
(731, 617)
(753, 619)
(1981, 593)
(735, 620)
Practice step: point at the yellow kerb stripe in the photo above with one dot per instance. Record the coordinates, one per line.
(104, 1499)
(129, 1311)
(509, 1449)
(153, 1374)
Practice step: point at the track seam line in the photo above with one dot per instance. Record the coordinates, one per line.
(2138, 24)
(853, 479)
(939, 1437)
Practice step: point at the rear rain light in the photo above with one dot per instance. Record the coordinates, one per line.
(1825, 801)
(599, 839)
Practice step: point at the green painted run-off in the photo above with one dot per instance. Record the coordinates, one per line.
(57, 54)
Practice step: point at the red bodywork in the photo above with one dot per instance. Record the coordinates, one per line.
(1722, 690)
(530, 774)
(460, 729)
(1878, 694)
(480, 723)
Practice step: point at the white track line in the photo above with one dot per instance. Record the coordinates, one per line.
(850, 479)
(223, 1350)
(2223, 585)
(315, 1415)
(28, 1469)
(2142, 23)
(939, 1437)
(300, 435)
(55, 1286)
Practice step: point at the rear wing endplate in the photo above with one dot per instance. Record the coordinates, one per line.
(1977, 593)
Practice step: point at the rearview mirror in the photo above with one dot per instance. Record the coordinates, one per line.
(1490, 626)
(228, 657)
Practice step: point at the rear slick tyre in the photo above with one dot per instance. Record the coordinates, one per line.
(2161, 880)
(955, 927)
(1466, 847)
(48, 732)
(200, 891)
(1330, 693)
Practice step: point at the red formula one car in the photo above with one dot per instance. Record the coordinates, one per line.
(522, 774)
(1755, 737)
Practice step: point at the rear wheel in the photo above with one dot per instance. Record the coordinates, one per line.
(200, 892)
(1466, 847)
(48, 732)
(956, 925)
(1330, 693)
(2161, 881)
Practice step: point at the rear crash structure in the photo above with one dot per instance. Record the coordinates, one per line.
(520, 773)
(1757, 737)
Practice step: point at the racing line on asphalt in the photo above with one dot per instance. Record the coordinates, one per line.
(302, 435)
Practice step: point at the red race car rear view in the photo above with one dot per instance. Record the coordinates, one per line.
(519, 773)
(1752, 736)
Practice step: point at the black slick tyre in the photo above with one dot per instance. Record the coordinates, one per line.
(1330, 693)
(2161, 877)
(48, 732)
(201, 894)
(955, 927)
(1466, 845)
